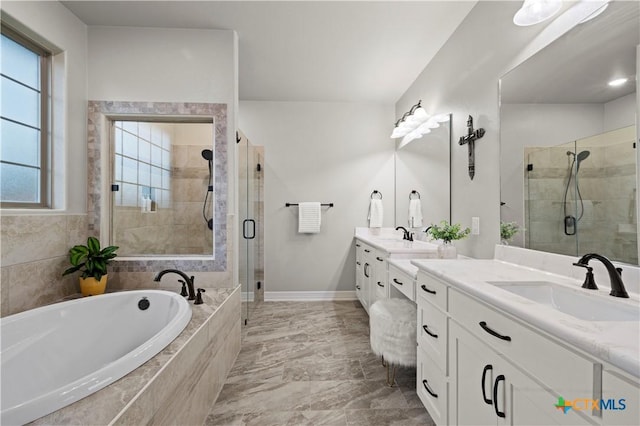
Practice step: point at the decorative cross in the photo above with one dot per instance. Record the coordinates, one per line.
(470, 139)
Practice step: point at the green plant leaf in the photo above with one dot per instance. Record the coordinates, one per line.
(93, 245)
(72, 270)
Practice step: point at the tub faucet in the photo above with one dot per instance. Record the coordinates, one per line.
(407, 235)
(187, 280)
(615, 274)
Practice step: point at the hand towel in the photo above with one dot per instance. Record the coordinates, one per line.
(375, 213)
(415, 213)
(309, 218)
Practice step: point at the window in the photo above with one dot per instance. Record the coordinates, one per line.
(142, 163)
(24, 114)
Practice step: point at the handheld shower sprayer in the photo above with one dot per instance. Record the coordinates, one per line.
(207, 154)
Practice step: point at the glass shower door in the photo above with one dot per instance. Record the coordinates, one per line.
(249, 200)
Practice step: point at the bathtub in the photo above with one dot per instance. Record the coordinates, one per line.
(55, 355)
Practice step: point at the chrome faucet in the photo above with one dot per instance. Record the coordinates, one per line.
(187, 280)
(615, 274)
(407, 235)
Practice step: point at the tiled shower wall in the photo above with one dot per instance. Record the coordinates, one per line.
(34, 255)
(607, 181)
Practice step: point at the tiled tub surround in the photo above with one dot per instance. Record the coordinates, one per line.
(177, 386)
(34, 254)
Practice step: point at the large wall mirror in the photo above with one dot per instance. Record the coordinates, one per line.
(568, 151)
(423, 174)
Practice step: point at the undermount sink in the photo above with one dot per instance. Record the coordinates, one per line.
(577, 303)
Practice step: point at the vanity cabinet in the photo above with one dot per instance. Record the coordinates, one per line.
(622, 396)
(487, 389)
(401, 282)
(371, 274)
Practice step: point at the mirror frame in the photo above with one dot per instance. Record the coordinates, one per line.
(100, 113)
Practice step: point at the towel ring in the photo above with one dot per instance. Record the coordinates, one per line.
(375, 191)
(414, 192)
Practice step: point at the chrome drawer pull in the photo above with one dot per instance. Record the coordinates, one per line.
(424, 287)
(484, 326)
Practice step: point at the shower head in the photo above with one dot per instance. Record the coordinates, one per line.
(582, 155)
(207, 154)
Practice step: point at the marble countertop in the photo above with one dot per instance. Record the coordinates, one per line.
(616, 342)
(405, 266)
(390, 241)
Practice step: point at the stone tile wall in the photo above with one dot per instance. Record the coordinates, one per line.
(34, 253)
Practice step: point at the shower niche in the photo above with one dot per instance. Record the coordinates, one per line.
(162, 187)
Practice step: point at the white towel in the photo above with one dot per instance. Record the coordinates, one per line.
(415, 213)
(309, 218)
(375, 213)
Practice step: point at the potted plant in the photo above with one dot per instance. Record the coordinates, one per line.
(447, 233)
(507, 231)
(92, 261)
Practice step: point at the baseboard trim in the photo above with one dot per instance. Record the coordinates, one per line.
(308, 296)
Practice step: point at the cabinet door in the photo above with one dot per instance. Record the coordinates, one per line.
(473, 374)
(621, 396)
(490, 390)
(378, 278)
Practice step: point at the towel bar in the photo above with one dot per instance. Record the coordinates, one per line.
(295, 204)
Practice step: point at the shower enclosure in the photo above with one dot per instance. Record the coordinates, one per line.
(580, 197)
(251, 213)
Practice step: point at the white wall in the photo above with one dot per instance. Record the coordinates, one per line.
(463, 79)
(326, 152)
(54, 26)
(620, 113)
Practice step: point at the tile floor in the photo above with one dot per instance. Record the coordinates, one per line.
(310, 363)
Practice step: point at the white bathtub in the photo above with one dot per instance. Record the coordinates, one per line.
(55, 355)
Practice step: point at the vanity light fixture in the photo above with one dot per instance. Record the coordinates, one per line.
(415, 123)
(618, 82)
(535, 11)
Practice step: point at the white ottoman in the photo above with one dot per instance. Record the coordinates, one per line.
(392, 324)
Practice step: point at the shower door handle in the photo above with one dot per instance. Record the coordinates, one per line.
(253, 229)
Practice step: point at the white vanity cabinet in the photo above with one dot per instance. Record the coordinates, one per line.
(371, 274)
(622, 397)
(402, 282)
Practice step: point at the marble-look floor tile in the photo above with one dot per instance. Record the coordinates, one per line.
(310, 363)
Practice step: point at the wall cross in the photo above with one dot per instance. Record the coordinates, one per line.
(470, 140)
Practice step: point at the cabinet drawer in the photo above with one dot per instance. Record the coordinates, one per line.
(432, 290)
(403, 282)
(564, 371)
(432, 387)
(432, 333)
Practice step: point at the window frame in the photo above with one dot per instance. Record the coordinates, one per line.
(45, 193)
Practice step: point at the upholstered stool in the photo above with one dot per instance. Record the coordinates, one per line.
(392, 324)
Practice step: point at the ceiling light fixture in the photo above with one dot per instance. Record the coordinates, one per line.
(415, 123)
(535, 11)
(618, 82)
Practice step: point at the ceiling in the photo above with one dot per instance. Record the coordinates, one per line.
(351, 51)
(577, 67)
